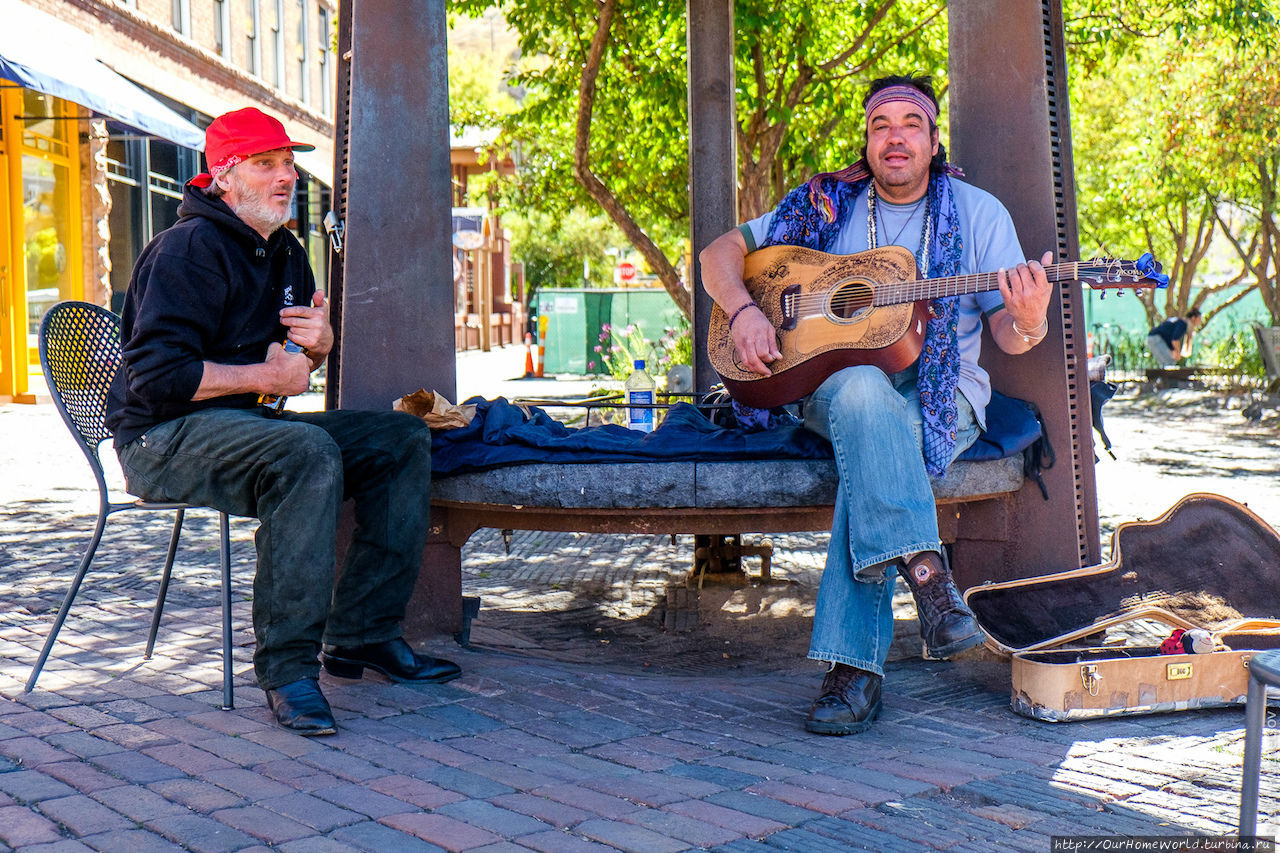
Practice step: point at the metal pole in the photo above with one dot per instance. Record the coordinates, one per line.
(713, 163)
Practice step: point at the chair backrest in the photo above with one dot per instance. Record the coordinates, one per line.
(80, 355)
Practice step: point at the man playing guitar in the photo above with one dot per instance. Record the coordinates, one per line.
(889, 433)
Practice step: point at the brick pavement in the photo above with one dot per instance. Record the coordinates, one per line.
(578, 724)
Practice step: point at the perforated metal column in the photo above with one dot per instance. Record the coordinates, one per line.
(1010, 131)
(392, 184)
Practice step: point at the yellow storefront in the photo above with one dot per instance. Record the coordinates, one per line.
(40, 225)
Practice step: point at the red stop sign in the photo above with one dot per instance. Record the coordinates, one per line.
(626, 271)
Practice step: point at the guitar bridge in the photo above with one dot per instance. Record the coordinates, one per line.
(789, 307)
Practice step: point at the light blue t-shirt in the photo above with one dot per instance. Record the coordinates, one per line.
(990, 243)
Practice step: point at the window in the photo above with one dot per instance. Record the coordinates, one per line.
(182, 16)
(222, 28)
(326, 61)
(279, 44)
(304, 54)
(253, 59)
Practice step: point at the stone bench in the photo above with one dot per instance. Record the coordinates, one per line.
(711, 500)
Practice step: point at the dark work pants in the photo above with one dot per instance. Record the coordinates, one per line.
(292, 473)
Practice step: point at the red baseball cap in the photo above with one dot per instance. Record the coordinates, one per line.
(235, 136)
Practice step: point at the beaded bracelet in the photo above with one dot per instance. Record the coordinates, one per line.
(1035, 336)
(739, 311)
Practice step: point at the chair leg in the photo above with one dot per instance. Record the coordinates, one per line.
(164, 584)
(228, 669)
(1255, 710)
(66, 602)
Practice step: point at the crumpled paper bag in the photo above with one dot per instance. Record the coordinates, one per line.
(433, 408)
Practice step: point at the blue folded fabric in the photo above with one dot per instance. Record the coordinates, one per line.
(501, 434)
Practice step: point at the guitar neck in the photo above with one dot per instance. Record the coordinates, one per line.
(958, 285)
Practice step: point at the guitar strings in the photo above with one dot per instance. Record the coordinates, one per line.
(898, 293)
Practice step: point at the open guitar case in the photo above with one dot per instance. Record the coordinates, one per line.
(1207, 563)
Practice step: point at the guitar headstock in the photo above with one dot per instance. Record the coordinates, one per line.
(1116, 274)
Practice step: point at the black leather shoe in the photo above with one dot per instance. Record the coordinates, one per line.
(300, 707)
(850, 701)
(947, 625)
(393, 658)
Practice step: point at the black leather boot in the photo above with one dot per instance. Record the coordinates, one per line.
(947, 625)
(850, 701)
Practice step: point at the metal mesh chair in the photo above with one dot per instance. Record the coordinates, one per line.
(1264, 672)
(80, 355)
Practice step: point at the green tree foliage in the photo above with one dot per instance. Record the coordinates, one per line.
(1155, 165)
(554, 247)
(622, 64)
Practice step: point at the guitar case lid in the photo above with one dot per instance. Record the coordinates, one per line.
(1208, 562)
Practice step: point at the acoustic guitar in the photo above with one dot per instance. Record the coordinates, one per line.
(836, 311)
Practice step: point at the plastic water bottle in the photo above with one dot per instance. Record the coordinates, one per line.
(639, 387)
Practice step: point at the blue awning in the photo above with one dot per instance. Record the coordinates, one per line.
(42, 53)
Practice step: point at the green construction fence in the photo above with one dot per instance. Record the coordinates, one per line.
(575, 317)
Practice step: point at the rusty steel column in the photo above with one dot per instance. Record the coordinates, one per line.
(397, 277)
(713, 162)
(1010, 131)
(392, 284)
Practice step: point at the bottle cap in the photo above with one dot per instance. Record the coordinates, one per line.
(639, 365)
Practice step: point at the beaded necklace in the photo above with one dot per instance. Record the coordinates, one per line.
(926, 228)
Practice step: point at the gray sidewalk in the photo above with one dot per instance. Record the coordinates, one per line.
(579, 723)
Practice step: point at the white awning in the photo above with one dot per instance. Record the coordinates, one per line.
(37, 51)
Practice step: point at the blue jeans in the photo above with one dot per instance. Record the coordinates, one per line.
(293, 473)
(884, 506)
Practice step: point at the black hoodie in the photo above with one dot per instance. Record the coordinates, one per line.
(207, 289)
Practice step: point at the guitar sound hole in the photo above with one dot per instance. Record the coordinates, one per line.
(849, 299)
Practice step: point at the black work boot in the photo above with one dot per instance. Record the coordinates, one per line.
(850, 701)
(947, 625)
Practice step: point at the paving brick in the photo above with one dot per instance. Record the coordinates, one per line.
(311, 811)
(442, 831)
(136, 767)
(38, 723)
(316, 845)
(261, 823)
(629, 837)
(343, 766)
(761, 806)
(83, 815)
(416, 792)
(137, 803)
(377, 838)
(187, 758)
(720, 776)
(32, 751)
(631, 756)
(82, 744)
(201, 797)
(468, 784)
(557, 814)
(297, 775)
(603, 805)
(692, 830)
(83, 777)
(247, 784)
(745, 824)
(65, 846)
(132, 840)
(32, 786)
(500, 821)
(562, 842)
(361, 800)
(20, 827)
(806, 798)
(204, 834)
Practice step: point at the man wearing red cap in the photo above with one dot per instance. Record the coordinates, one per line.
(222, 314)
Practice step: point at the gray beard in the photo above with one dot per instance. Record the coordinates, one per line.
(257, 211)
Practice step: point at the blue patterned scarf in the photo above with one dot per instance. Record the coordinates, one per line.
(812, 216)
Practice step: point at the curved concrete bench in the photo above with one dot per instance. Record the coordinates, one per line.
(707, 499)
(756, 496)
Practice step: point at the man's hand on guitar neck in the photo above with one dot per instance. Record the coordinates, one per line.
(1026, 292)
(755, 340)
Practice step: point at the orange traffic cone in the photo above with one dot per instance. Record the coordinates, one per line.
(542, 355)
(528, 356)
